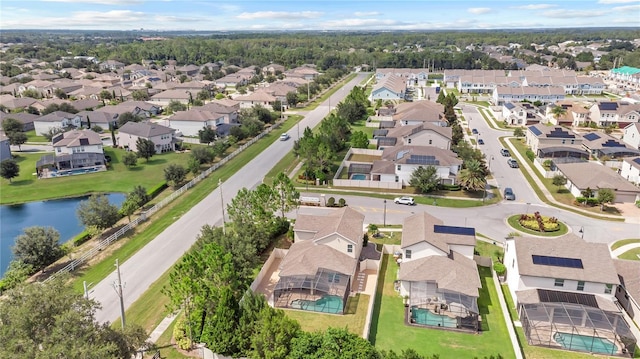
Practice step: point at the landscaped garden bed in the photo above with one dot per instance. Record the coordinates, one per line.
(538, 225)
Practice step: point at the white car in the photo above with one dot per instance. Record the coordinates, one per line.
(404, 200)
(284, 137)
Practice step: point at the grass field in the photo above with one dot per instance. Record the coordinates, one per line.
(26, 187)
(632, 254)
(624, 242)
(388, 330)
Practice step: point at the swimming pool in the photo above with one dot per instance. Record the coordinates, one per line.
(327, 304)
(358, 176)
(426, 317)
(75, 171)
(585, 343)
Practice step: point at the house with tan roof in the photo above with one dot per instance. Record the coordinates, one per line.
(438, 276)
(564, 291)
(594, 176)
(318, 270)
(621, 113)
(189, 122)
(424, 134)
(72, 150)
(24, 117)
(550, 94)
(418, 112)
(390, 87)
(556, 138)
(261, 98)
(138, 108)
(407, 158)
(273, 69)
(520, 113)
(162, 137)
(628, 292)
(576, 114)
(57, 119)
(604, 146)
(165, 97)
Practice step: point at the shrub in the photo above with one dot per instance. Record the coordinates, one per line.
(81, 238)
(342, 202)
(539, 223)
(157, 189)
(499, 268)
(331, 202)
(451, 187)
(530, 155)
(180, 335)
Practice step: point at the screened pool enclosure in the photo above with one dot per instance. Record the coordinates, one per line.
(326, 291)
(576, 327)
(433, 306)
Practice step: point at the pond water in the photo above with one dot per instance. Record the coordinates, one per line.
(59, 214)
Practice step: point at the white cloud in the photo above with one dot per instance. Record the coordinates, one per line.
(347, 23)
(570, 14)
(279, 15)
(366, 13)
(616, 1)
(479, 10)
(627, 8)
(101, 2)
(534, 6)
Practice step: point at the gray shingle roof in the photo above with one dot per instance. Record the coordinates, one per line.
(595, 176)
(459, 274)
(629, 271)
(420, 228)
(596, 260)
(146, 130)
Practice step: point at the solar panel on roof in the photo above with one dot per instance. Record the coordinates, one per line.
(637, 160)
(423, 160)
(535, 130)
(560, 133)
(592, 136)
(608, 106)
(554, 296)
(612, 143)
(465, 231)
(557, 261)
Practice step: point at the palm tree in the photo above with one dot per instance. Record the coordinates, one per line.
(472, 177)
(558, 111)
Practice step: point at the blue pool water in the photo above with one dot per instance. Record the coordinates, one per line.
(75, 171)
(585, 343)
(426, 317)
(327, 304)
(359, 177)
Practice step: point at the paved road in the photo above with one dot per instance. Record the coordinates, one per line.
(489, 220)
(146, 266)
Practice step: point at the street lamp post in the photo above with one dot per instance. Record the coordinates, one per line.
(490, 159)
(581, 231)
(528, 204)
(384, 216)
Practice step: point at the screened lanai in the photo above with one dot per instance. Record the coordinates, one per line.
(430, 305)
(326, 291)
(578, 327)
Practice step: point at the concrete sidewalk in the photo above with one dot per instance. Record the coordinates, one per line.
(627, 247)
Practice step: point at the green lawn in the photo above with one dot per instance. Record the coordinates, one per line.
(26, 187)
(624, 242)
(632, 254)
(388, 331)
(33, 137)
(353, 319)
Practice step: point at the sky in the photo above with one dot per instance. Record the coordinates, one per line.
(223, 15)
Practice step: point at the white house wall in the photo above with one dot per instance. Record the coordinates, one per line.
(466, 251)
(340, 244)
(630, 173)
(428, 138)
(43, 127)
(421, 250)
(188, 128)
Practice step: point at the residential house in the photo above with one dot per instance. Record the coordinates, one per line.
(554, 139)
(226, 107)
(575, 114)
(57, 119)
(438, 276)
(404, 160)
(233, 80)
(24, 117)
(318, 271)
(631, 135)
(189, 70)
(138, 108)
(305, 72)
(162, 137)
(43, 87)
(566, 287)
(628, 292)
(389, 88)
(165, 97)
(111, 65)
(12, 103)
(418, 112)
(190, 122)
(594, 176)
(520, 113)
(5, 147)
(606, 147)
(99, 118)
(502, 94)
(630, 170)
(412, 77)
(261, 98)
(85, 104)
(73, 150)
(620, 113)
(424, 134)
(273, 69)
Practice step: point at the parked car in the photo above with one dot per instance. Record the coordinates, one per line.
(512, 163)
(474, 131)
(505, 152)
(284, 137)
(404, 200)
(480, 141)
(509, 195)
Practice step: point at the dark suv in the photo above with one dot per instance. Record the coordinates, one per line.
(509, 195)
(512, 163)
(505, 152)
